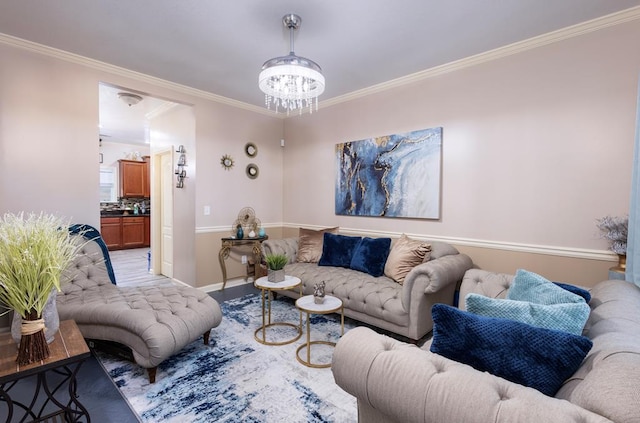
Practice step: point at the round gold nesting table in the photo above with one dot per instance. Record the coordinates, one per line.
(266, 288)
(330, 305)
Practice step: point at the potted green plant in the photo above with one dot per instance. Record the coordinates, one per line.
(275, 267)
(34, 252)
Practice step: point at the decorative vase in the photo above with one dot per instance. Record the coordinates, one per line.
(275, 275)
(239, 233)
(622, 263)
(261, 233)
(49, 315)
(318, 293)
(252, 234)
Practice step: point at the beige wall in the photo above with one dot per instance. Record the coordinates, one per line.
(49, 149)
(172, 129)
(536, 147)
(48, 137)
(578, 271)
(227, 192)
(208, 246)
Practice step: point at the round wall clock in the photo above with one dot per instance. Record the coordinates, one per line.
(227, 162)
(251, 149)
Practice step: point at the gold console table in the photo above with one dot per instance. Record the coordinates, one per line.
(230, 242)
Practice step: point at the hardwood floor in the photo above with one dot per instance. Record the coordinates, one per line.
(130, 268)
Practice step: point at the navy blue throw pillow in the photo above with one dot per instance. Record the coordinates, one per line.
(538, 358)
(371, 255)
(575, 290)
(337, 250)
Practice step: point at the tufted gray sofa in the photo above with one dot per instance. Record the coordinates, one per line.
(380, 301)
(154, 322)
(397, 382)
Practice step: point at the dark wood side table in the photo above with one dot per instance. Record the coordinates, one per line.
(229, 242)
(68, 352)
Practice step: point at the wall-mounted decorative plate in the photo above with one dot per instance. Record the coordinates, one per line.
(251, 149)
(227, 162)
(252, 171)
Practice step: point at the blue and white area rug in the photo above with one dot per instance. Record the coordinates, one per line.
(237, 379)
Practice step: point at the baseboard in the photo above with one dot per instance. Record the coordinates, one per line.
(230, 284)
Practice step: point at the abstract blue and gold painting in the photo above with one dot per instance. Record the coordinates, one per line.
(390, 176)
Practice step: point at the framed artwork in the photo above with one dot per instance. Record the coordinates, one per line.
(390, 176)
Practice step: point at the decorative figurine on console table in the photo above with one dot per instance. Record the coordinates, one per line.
(318, 293)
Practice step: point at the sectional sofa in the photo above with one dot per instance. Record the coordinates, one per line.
(401, 305)
(399, 382)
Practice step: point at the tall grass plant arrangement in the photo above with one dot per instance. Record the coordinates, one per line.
(275, 267)
(34, 252)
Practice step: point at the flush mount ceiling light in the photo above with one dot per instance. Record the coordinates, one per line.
(291, 82)
(130, 99)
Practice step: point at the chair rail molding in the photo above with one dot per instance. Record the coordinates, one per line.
(581, 253)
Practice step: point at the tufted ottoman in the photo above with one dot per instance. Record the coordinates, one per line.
(154, 322)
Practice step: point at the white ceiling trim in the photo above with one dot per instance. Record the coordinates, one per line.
(106, 67)
(498, 53)
(552, 37)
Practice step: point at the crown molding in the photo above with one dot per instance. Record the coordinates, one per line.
(498, 53)
(508, 50)
(117, 70)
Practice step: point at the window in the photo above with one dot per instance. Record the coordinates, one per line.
(108, 184)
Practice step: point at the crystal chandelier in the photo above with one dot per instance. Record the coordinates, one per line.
(291, 82)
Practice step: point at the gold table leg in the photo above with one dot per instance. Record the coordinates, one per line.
(266, 322)
(222, 256)
(309, 343)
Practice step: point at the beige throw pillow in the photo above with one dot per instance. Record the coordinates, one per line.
(405, 254)
(310, 244)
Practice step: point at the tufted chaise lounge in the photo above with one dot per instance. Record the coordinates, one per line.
(398, 382)
(154, 322)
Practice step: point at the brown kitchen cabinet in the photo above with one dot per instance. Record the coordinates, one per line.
(132, 232)
(111, 231)
(134, 179)
(126, 232)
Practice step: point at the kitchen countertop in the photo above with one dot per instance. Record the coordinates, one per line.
(124, 215)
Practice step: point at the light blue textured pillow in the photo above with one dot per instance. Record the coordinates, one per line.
(567, 317)
(531, 287)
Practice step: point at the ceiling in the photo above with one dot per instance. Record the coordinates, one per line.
(219, 46)
(122, 123)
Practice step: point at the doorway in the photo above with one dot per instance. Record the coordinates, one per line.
(162, 206)
(126, 134)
